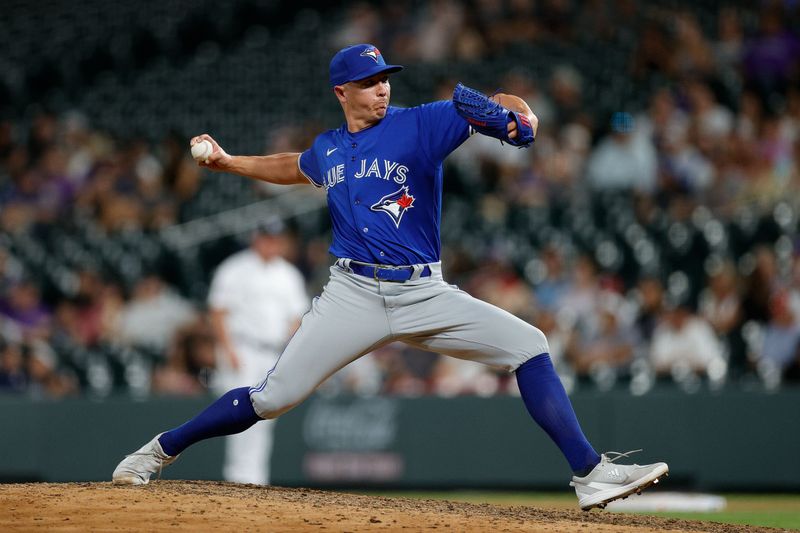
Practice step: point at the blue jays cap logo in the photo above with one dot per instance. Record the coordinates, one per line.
(395, 205)
(358, 62)
(373, 53)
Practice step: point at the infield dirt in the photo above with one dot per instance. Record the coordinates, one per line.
(213, 506)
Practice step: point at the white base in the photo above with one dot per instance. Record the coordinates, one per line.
(670, 501)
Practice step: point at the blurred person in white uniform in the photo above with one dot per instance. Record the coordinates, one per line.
(256, 301)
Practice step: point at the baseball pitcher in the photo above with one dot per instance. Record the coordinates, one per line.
(382, 172)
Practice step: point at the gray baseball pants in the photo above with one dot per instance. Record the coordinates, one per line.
(355, 315)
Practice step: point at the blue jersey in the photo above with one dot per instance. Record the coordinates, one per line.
(384, 183)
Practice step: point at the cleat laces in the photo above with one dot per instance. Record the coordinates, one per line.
(618, 455)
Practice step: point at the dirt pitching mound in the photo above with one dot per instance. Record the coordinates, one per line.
(214, 506)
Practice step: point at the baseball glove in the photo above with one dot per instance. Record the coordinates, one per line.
(490, 118)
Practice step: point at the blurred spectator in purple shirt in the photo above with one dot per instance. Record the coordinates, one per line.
(23, 307)
(770, 59)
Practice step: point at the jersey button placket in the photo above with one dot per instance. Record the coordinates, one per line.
(356, 201)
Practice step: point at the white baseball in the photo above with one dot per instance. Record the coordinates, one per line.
(202, 150)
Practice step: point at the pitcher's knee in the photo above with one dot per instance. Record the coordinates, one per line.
(520, 346)
(535, 345)
(270, 403)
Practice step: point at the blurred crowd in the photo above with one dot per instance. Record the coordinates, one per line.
(643, 254)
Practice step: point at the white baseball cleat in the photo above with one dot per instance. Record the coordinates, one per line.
(609, 481)
(137, 467)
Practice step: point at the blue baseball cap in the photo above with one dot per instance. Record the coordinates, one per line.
(358, 62)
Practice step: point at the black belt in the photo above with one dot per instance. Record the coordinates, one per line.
(384, 272)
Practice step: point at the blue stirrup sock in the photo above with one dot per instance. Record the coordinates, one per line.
(232, 413)
(548, 404)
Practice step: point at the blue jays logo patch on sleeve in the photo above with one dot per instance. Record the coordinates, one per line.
(395, 205)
